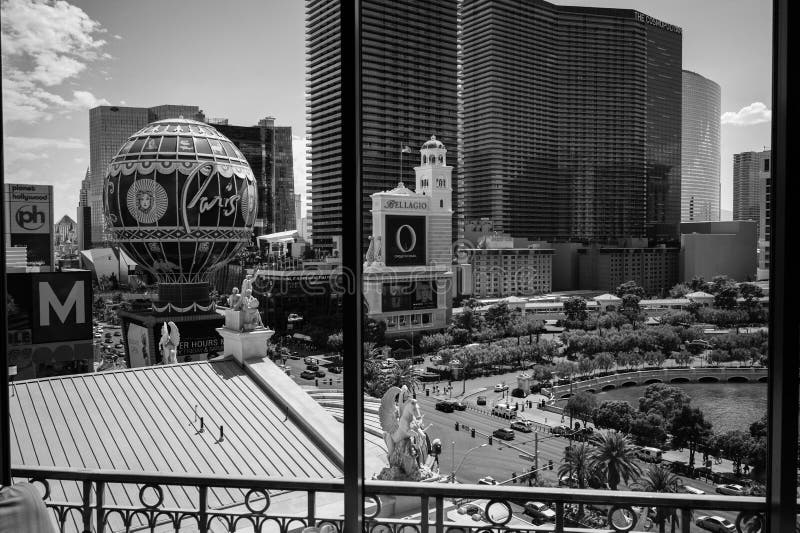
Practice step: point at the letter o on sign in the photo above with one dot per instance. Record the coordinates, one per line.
(398, 237)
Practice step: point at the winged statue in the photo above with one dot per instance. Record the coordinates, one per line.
(168, 345)
(407, 445)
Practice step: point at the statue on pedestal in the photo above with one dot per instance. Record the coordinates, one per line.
(247, 284)
(252, 318)
(407, 444)
(235, 300)
(168, 345)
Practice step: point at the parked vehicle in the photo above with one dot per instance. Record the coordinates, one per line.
(488, 480)
(503, 433)
(335, 370)
(525, 426)
(539, 510)
(559, 430)
(481, 400)
(313, 368)
(500, 387)
(731, 489)
(717, 524)
(417, 360)
(117, 334)
(320, 373)
(459, 406)
(307, 374)
(649, 454)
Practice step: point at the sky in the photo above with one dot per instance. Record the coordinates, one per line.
(244, 60)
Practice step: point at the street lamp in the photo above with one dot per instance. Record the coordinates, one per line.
(410, 345)
(453, 474)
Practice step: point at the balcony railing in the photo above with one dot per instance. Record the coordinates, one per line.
(94, 513)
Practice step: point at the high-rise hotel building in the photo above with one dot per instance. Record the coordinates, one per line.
(700, 149)
(751, 193)
(409, 91)
(571, 121)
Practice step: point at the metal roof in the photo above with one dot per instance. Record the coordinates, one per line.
(144, 420)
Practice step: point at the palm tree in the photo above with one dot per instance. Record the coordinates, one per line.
(613, 455)
(576, 464)
(403, 374)
(658, 479)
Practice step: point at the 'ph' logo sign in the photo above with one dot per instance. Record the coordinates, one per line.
(30, 218)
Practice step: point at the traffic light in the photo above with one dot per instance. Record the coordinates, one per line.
(514, 477)
(457, 426)
(550, 464)
(490, 440)
(472, 433)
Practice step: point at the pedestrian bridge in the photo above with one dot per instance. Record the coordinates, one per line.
(664, 375)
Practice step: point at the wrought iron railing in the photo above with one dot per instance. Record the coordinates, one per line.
(434, 507)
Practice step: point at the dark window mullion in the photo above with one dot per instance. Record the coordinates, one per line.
(352, 214)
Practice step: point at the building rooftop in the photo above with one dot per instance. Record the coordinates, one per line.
(148, 420)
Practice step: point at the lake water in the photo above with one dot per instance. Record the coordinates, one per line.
(728, 406)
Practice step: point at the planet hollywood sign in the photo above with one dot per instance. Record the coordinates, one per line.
(405, 204)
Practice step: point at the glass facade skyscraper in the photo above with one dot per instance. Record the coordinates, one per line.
(700, 149)
(409, 86)
(571, 121)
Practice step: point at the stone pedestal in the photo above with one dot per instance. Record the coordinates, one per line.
(244, 345)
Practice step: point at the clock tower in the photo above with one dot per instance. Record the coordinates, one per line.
(434, 176)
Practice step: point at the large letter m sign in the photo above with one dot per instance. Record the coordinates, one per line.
(49, 300)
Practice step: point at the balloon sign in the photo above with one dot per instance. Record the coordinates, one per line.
(180, 199)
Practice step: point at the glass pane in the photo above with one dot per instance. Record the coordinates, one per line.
(177, 300)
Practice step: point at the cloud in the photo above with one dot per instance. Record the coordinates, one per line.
(15, 143)
(44, 44)
(117, 37)
(755, 113)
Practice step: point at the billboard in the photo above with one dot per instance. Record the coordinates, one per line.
(50, 322)
(404, 239)
(138, 343)
(197, 339)
(407, 296)
(29, 221)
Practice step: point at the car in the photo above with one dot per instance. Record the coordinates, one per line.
(559, 430)
(417, 360)
(445, 406)
(488, 480)
(436, 359)
(503, 433)
(97, 336)
(688, 489)
(539, 510)
(117, 334)
(108, 335)
(335, 370)
(525, 426)
(311, 367)
(500, 387)
(118, 346)
(307, 374)
(731, 489)
(320, 373)
(108, 341)
(310, 360)
(717, 524)
(459, 406)
(481, 400)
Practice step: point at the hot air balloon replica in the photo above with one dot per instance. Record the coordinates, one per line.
(180, 200)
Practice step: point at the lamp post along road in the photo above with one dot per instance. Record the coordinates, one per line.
(453, 474)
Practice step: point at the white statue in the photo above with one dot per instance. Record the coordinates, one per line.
(250, 305)
(247, 284)
(235, 300)
(168, 345)
(406, 442)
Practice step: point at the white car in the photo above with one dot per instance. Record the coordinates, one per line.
(488, 480)
(539, 510)
(717, 524)
(500, 387)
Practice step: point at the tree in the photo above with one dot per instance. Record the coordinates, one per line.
(750, 292)
(682, 358)
(654, 358)
(664, 400)
(630, 308)
(726, 298)
(680, 290)
(402, 374)
(614, 414)
(734, 445)
(689, 429)
(604, 361)
(613, 455)
(576, 464)
(697, 283)
(468, 319)
(585, 366)
(648, 429)
(630, 287)
(336, 342)
(581, 405)
(498, 316)
(575, 308)
(720, 283)
(659, 479)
